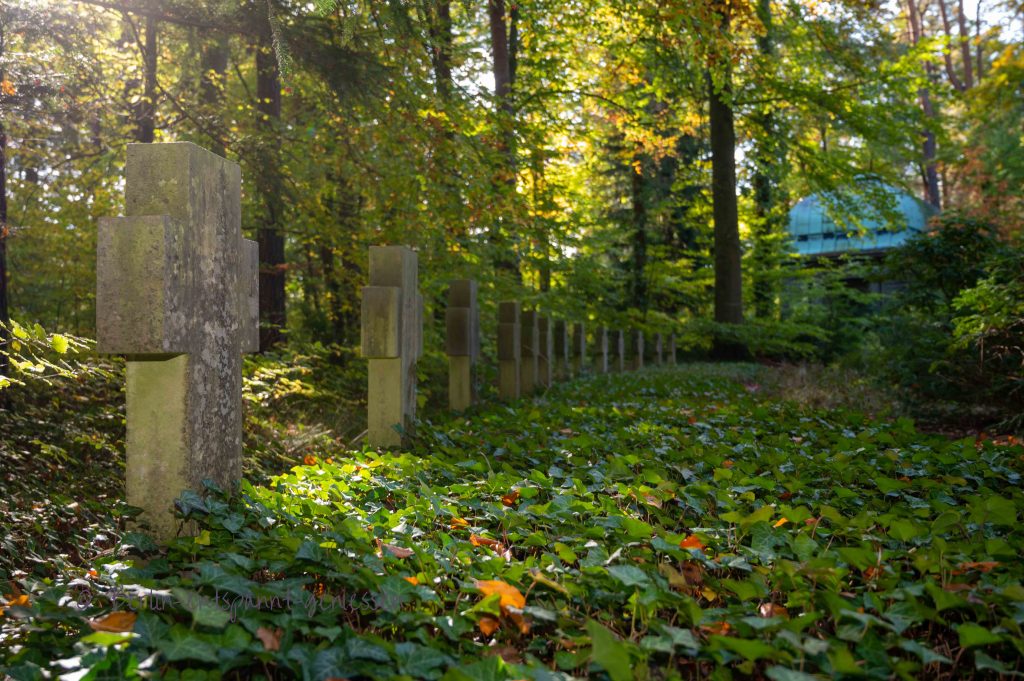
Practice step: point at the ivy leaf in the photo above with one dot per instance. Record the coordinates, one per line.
(609, 652)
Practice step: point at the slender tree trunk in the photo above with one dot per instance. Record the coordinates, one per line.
(728, 276)
(503, 60)
(269, 187)
(147, 107)
(728, 272)
(214, 64)
(930, 175)
(768, 157)
(540, 206)
(977, 38)
(439, 26)
(947, 28)
(639, 283)
(965, 45)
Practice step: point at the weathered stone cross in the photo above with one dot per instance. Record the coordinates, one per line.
(545, 350)
(601, 350)
(462, 322)
(529, 342)
(392, 340)
(509, 350)
(561, 350)
(579, 348)
(176, 291)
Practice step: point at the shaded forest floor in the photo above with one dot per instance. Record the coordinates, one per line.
(666, 523)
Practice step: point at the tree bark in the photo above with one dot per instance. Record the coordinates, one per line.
(147, 107)
(947, 54)
(728, 273)
(214, 65)
(965, 45)
(503, 59)
(269, 235)
(639, 283)
(768, 155)
(929, 175)
(439, 27)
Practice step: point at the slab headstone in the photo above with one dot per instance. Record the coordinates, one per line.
(529, 341)
(462, 343)
(618, 349)
(601, 365)
(176, 292)
(658, 350)
(672, 350)
(509, 351)
(545, 352)
(392, 342)
(560, 348)
(638, 350)
(579, 348)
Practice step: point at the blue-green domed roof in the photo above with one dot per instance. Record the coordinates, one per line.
(813, 232)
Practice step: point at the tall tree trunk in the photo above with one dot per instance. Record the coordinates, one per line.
(639, 283)
(503, 60)
(947, 54)
(965, 45)
(541, 224)
(977, 43)
(728, 273)
(214, 65)
(768, 156)
(930, 175)
(269, 235)
(439, 27)
(147, 107)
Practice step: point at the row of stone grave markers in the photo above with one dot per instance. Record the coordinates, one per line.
(533, 350)
(177, 294)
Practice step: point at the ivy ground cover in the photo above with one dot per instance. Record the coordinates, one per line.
(673, 523)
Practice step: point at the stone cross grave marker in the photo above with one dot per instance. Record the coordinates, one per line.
(462, 322)
(579, 348)
(672, 350)
(545, 351)
(176, 292)
(601, 350)
(638, 350)
(529, 340)
(392, 341)
(509, 350)
(618, 341)
(561, 350)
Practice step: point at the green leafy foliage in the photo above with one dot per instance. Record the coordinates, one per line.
(653, 525)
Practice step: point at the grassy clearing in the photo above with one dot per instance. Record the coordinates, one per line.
(666, 524)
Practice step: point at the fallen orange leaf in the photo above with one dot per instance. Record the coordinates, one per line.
(117, 622)
(477, 540)
(716, 628)
(982, 566)
(781, 522)
(412, 580)
(728, 463)
(488, 625)
(692, 542)
(458, 522)
(511, 498)
(309, 460)
(510, 596)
